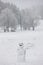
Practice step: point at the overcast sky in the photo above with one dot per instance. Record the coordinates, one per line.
(25, 3)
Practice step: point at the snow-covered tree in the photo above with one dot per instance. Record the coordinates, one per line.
(8, 19)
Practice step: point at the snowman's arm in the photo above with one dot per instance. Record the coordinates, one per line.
(28, 47)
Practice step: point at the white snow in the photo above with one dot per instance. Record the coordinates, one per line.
(9, 44)
(40, 25)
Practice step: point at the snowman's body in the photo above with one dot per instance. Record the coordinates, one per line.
(21, 54)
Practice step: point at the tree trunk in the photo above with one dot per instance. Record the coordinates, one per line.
(4, 30)
(21, 27)
(33, 28)
(7, 29)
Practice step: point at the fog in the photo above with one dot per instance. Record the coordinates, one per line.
(22, 4)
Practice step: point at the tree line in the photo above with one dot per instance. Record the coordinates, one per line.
(12, 17)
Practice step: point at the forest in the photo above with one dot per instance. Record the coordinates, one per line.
(12, 17)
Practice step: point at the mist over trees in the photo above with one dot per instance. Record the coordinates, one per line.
(8, 19)
(12, 17)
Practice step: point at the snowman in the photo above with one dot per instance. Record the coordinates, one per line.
(21, 52)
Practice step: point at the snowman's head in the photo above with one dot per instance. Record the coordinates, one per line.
(21, 44)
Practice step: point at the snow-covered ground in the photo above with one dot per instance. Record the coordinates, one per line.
(9, 44)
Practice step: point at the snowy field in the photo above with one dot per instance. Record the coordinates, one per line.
(9, 44)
